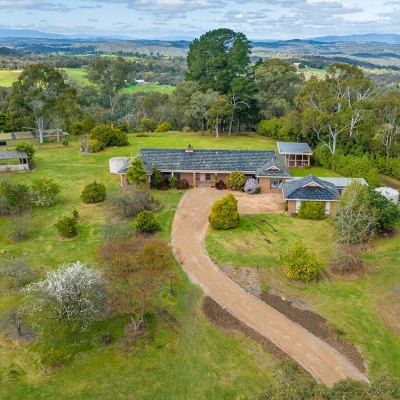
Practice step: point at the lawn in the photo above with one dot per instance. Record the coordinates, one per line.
(7, 78)
(166, 89)
(357, 307)
(187, 358)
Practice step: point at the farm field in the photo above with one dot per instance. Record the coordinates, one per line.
(186, 352)
(7, 78)
(359, 307)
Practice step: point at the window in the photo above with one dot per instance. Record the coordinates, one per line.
(276, 183)
(208, 177)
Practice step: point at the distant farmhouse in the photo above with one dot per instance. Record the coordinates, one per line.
(204, 168)
(13, 161)
(31, 136)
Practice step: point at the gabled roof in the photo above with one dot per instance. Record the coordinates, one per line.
(294, 148)
(341, 182)
(248, 161)
(274, 167)
(310, 188)
(12, 155)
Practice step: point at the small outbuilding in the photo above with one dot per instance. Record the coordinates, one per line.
(389, 193)
(117, 163)
(295, 154)
(13, 161)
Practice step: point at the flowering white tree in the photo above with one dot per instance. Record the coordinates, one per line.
(75, 294)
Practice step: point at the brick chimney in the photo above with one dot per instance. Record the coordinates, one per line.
(189, 149)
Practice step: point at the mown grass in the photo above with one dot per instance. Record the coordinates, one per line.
(351, 305)
(7, 78)
(183, 358)
(166, 89)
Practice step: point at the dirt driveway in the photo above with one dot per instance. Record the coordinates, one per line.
(189, 229)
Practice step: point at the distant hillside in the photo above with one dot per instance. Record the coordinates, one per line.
(369, 37)
(28, 33)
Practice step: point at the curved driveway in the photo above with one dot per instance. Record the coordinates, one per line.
(189, 228)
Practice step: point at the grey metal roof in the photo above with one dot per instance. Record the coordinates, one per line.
(211, 160)
(294, 148)
(340, 182)
(276, 166)
(12, 155)
(310, 188)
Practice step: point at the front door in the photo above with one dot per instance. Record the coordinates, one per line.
(202, 177)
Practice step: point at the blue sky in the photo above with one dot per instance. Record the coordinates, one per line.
(269, 19)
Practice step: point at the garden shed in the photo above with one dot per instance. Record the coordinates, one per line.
(13, 161)
(295, 154)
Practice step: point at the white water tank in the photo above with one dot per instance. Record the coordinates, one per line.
(116, 164)
(389, 193)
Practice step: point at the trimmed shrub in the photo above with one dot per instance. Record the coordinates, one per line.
(163, 185)
(27, 148)
(137, 174)
(67, 227)
(118, 138)
(172, 181)
(182, 184)
(94, 193)
(312, 210)
(301, 262)
(235, 180)
(65, 142)
(156, 178)
(224, 213)
(146, 222)
(164, 127)
(14, 199)
(102, 133)
(220, 185)
(252, 186)
(94, 146)
(43, 192)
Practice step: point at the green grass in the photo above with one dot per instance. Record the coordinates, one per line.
(167, 89)
(191, 359)
(352, 305)
(77, 75)
(7, 78)
(316, 171)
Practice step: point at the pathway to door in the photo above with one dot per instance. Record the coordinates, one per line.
(189, 229)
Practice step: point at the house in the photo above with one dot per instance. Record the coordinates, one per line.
(13, 161)
(310, 188)
(295, 154)
(203, 168)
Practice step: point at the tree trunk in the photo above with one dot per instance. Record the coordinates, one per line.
(40, 126)
(217, 130)
(230, 124)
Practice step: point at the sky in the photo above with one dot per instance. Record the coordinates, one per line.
(171, 19)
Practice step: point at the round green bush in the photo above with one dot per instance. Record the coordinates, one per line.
(312, 210)
(94, 146)
(301, 263)
(65, 142)
(27, 148)
(146, 222)
(67, 227)
(103, 133)
(224, 213)
(235, 180)
(118, 138)
(173, 181)
(164, 127)
(93, 193)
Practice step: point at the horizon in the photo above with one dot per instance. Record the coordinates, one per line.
(187, 19)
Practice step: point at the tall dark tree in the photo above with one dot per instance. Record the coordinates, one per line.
(278, 82)
(34, 96)
(217, 57)
(110, 76)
